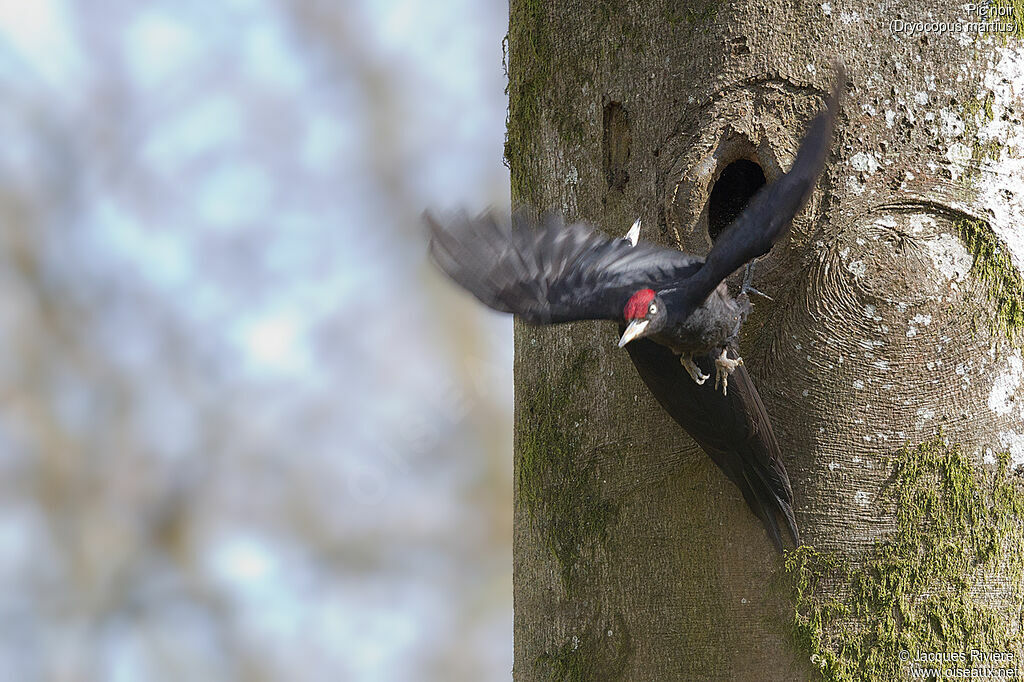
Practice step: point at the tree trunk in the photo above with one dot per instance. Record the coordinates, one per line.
(889, 359)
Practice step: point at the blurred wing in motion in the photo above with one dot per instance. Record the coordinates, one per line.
(552, 272)
(734, 430)
(770, 212)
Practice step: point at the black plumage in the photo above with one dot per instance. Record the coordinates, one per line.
(680, 302)
(733, 429)
(558, 273)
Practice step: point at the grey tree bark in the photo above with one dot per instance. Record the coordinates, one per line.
(889, 359)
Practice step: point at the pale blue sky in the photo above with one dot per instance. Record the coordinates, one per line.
(262, 191)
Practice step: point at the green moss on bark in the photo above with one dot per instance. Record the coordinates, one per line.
(994, 268)
(536, 94)
(556, 480)
(978, 107)
(937, 583)
(977, 113)
(1016, 17)
(693, 12)
(529, 55)
(600, 655)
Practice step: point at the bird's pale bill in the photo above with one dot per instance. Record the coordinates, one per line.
(635, 329)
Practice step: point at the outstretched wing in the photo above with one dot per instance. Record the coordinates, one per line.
(734, 430)
(770, 212)
(550, 272)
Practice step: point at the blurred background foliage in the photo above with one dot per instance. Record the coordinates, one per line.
(246, 431)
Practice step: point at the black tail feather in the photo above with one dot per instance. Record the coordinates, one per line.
(733, 430)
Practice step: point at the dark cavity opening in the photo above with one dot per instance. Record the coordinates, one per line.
(732, 191)
(616, 141)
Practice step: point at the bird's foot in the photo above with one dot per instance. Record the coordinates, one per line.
(752, 290)
(694, 371)
(748, 282)
(724, 366)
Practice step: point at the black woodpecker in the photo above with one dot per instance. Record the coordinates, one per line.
(674, 309)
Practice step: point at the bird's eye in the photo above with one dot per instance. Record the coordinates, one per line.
(653, 309)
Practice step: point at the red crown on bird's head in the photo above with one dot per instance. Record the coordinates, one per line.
(636, 307)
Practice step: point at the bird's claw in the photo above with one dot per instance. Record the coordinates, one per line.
(693, 370)
(752, 290)
(724, 366)
(748, 282)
